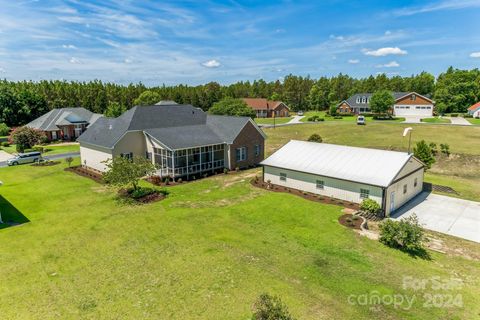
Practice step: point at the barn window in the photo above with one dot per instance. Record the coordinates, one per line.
(404, 188)
(283, 176)
(415, 183)
(320, 184)
(364, 193)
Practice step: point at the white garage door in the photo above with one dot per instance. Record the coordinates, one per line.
(404, 110)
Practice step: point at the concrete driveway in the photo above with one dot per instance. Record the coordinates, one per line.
(296, 119)
(452, 216)
(459, 121)
(4, 156)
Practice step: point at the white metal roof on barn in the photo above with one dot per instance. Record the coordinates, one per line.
(363, 165)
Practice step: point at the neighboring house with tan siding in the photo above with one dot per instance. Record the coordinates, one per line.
(265, 108)
(406, 104)
(352, 174)
(181, 140)
(64, 123)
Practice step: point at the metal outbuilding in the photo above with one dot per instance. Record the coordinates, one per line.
(349, 173)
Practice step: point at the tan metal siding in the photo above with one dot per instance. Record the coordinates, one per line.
(336, 188)
(400, 198)
(93, 157)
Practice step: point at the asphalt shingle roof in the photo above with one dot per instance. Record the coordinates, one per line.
(175, 126)
(64, 116)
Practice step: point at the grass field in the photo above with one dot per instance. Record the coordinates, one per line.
(270, 120)
(206, 252)
(458, 172)
(474, 120)
(49, 149)
(436, 120)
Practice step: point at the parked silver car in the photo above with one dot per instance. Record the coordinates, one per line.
(28, 157)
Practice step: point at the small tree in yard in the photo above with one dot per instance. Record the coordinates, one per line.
(270, 308)
(4, 129)
(445, 149)
(423, 152)
(232, 107)
(381, 101)
(315, 138)
(122, 172)
(333, 110)
(69, 161)
(405, 234)
(26, 137)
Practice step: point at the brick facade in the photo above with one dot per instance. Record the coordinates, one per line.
(248, 137)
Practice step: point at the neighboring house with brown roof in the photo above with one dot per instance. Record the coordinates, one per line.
(64, 123)
(406, 104)
(181, 140)
(474, 110)
(265, 108)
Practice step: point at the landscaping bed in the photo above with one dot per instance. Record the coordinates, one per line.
(143, 195)
(45, 163)
(350, 221)
(84, 172)
(306, 195)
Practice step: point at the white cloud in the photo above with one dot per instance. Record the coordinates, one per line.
(391, 64)
(69, 46)
(475, 54)
(127, 60)
(75, 60)
(353, 61)
(442, 5)
(2, 70)
(341, 38)
(211, 64)
(384, 52)
(388, 32)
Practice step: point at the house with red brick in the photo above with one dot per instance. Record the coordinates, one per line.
(181, 140)
(474, 110)
(406, 104)
(64, 123)
(265, 108)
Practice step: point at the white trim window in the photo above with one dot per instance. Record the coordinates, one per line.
(415, 183)
(54, 135)
(257, 150)
(241, 154)
(364, 193)
(283, 176)
(405, 189)
(320, 184)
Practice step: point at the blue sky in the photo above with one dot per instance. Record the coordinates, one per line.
(194, 42)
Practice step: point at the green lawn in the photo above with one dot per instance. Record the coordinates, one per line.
(270, 120)
(458, 173)
(474, 120)
(322, 114)
(436, 120)
(206, 252)
(49, 150)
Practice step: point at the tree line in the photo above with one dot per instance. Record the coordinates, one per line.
(20, 102)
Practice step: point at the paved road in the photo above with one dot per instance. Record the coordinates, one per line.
(52, 157)
(459, 121)
(452, 216)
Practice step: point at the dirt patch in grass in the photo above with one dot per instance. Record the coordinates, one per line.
(350, 221)
(85, 172)
(154, 196)
(306, 195)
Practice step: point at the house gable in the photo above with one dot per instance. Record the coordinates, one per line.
(412, 165)
(413, 98)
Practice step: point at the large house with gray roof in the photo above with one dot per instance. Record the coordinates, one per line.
(406, 104)
(181, 140)
(64, 123)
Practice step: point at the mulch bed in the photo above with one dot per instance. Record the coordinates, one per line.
(149, 198)
(370, 216)
(46, 164)
(84, 172)
(306, 195)
(348, 221)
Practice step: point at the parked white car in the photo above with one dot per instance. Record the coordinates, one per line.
(361, 120)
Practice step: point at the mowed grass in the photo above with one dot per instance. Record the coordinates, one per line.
(436, 120)
(475, 121)
(460, 173)
(49, 149)
(279, 120)
(206, 252)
